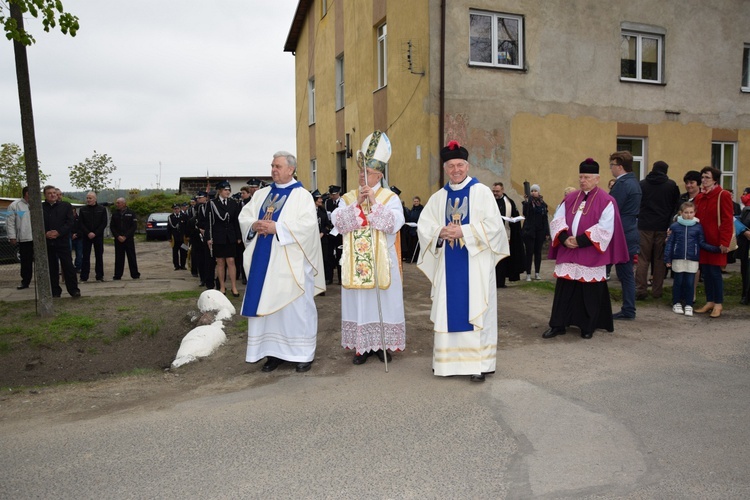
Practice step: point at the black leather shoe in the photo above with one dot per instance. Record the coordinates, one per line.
(587, 335)
(76, 295)
(22, 286)
(553, 332)
(361, 359)
(477, 378)
(303, 367)
(271, 364)
(621, 315)
(744, 301)
(379, 354)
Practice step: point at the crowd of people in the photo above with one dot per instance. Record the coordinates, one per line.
(286, 244)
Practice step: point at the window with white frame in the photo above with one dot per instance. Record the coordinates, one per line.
(642, 54)
(724, 157)
(382, 55)
(311, 101)
(746, 68)
(637, 147)
(313, 174)
(495, 39)
(340, 82)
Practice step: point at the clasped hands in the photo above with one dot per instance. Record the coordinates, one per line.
(264, 227)
(571, 242)
(366, 193)
(451, 232)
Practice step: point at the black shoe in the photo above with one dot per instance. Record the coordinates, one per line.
(235, 294)
(115, 278)
(553, 332)
(303, 367)
(271, 364)
(83, 280)
(176, 268)
(195, 275)
(183, 268)
(329, 282)
(361, 359)
(641, 296)
(621, 315)
(379, 354)
(502, 286)
(477, 378)
(244, 281)
(202, 283)
(22, 286)
(76, 295)
(136, 277)
(744, 301)
(56, 295)
(100, 280)
(587, 335)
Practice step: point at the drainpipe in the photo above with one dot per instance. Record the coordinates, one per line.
(441, 117)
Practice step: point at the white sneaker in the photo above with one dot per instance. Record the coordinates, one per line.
(536, 276)
(688, 310)
(677, 309)
(528, 277)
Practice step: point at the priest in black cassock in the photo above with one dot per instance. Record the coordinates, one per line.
(512, 266)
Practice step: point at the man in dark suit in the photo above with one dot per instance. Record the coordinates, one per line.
(58, 224)
(511, 266)
(92, 221)
(176, 227)
(627, 193)
(123, 225)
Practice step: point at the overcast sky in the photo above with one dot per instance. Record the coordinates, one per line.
(196, 86)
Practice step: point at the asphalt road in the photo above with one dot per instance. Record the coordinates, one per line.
(657, 411)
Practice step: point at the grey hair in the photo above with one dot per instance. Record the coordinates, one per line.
(92, 193)
(291, 160)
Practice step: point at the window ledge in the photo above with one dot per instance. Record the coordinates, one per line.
(645, 82)
(745, 90)
(503, 68)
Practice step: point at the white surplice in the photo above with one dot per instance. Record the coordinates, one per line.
(471, 352)
(360, 320)
(287, 323)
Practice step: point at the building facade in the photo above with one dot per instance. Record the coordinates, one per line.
(531, 88)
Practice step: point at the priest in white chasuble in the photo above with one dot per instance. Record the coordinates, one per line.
(369, 219)
(284, 267)
(462, 237)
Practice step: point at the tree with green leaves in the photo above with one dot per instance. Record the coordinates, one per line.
(51, 12)
(93, 173)
(53, 15)
(13, 171)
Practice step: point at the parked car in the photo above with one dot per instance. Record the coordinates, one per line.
(156, 226)
(8, 252)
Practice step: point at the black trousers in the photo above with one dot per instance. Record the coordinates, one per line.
(533, 244)
(26, 249)
(209, 267)
(126, 248)
(59, 251)
(179, 254)
(98, 244)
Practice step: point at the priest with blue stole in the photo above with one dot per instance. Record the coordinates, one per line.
(462, 237)
(284, 267)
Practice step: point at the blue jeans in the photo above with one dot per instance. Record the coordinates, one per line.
(627, 279)
(714, 283)
(682, 288)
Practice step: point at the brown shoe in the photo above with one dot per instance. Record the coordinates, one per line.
(707, 308)
(716, 312)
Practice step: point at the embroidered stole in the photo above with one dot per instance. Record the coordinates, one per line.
(256, 278)
(457, 262)
(357, 266)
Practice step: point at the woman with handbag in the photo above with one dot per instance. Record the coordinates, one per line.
(714, 209)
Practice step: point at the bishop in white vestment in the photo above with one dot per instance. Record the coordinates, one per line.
(369, 219)
(462, 237)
